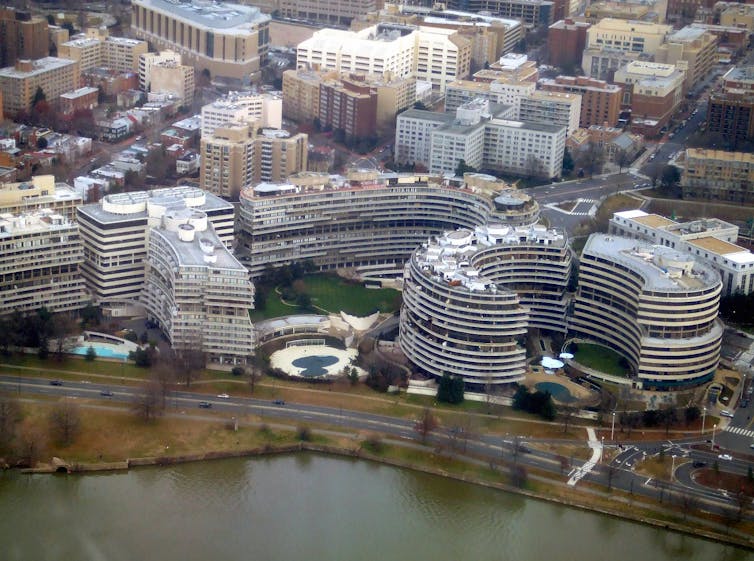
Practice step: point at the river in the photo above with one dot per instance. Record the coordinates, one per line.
(309, 507)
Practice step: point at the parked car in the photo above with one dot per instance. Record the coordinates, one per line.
(106, 393)
(56, 383)
(278, 402)
(726, 457)
(726, 413)
(699, 464)
(205, 405)
(223, 396)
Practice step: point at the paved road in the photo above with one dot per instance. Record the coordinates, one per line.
(618, 474)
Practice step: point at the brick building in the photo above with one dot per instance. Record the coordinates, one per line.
(566, 40)
(600, 101)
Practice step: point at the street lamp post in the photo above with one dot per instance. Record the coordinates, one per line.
(714, 427)
(612, 428)
(704, 416)
(602, 452)
(672, 470)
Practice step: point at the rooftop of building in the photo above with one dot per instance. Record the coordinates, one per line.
(631, 25)
(552, 96)
(740, 74)
(581, 82)
(662, 268)
(123, 41)
(687, 34)
(426, 115)
(40, 220)
(653, 220)
(133, 205)
(193, 123)
(81, 42)
(213, 15)
(458, 16)
(79, 93)
(527, 125)
(41, 187)
(200, 248)
(649, 69)
(38, 66)
(722, 155)
(569, 23)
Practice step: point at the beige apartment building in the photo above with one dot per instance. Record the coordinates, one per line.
(174, 79)
(554, 108)
(19, 83)
(266, 109)
(652, 90)
(328, 12)
(738, 15)
(692, 49)
(716, 175)
(98, 49)
(149, 60)
(235, 156)
(40, 192)
(228, 40)
(40, 255)
(86, 51)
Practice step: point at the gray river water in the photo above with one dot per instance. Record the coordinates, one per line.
(313, 508)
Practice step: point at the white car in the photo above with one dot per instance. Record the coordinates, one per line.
(726, 413)
(223, 396)
(727, 457)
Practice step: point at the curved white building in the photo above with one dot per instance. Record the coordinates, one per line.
(367, 221)
(469, 298)
(654, 305)
(195, 289)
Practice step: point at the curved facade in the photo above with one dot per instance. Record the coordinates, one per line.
(195, 289)
(469, 298)
(366, 221)
(653, 305)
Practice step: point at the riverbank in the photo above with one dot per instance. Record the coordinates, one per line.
(540, 485)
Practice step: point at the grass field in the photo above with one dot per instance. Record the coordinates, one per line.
(600, 358)
(333, 294)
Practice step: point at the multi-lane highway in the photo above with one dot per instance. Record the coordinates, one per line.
(618, 474)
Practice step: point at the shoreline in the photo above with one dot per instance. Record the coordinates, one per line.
(360, 453)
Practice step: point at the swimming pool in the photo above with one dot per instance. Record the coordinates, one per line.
(102, 352)
(558, 391)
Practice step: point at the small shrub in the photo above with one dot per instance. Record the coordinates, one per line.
(374, 444)
(238, 371)
(304, 434)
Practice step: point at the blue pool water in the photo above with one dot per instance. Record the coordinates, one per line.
(314, 365)
(102, 352)
(557, 391)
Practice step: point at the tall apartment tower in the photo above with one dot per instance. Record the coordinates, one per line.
(22, 36)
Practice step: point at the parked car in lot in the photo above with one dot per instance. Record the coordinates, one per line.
(205, 405)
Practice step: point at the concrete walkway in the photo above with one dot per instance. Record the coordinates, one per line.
(596, 446)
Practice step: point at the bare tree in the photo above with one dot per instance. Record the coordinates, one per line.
(534, 167)
(65, 423)
(566, 416)
(32, 446)
(425, 424)
(623, 159)
(689, 503)
(518, 475)
(147, 401)
(63, 325)
(189, 364)
(591, 159)
(164, 376)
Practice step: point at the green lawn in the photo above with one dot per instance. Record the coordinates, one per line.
(333, 294)
(600, 358)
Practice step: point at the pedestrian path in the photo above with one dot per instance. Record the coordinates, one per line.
(596, 447)
(739, 430)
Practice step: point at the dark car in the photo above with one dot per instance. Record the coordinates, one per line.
(699, 464)
(279, 402)
(106, 393)
(205, 405)
(56, 383)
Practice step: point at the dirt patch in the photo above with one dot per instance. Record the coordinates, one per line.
(730, 482)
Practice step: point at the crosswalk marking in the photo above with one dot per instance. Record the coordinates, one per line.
(740, 430)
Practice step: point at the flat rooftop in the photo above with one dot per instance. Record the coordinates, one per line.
(190, 253)
(653, 220)
(213, 15)
(40, 66)
(734, 252)
(662, 268)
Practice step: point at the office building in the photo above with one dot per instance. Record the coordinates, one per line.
(328, 12)
(653, 91)
(195, 290)
(229, 41)
(22, 36)
(266, 109)
(86, 52)
(484, 135)
(236, 156)
(716, 175)
(430, 54)
(367, 222)
(40, 255)
(554, 108)
(19, 83)
(739, 15)
(691, 49)
(41, 192)
(503, 91)
(600, 101)
(122, 54)
(731, 111)
(710, 240)
(148, 60)
(566, 41)
(531, 12)
(115, 233)
(654, 305)
(174, 80)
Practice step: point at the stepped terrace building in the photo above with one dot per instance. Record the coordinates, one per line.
(654, 305)
(195, 290)
(116, 231)
(38, 193)
(228, 40)
(469, 298)
(367, 221)
(40, 255)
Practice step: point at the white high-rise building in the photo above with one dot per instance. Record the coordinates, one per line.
(265, 109)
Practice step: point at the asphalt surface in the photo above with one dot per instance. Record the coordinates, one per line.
(618, 474)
